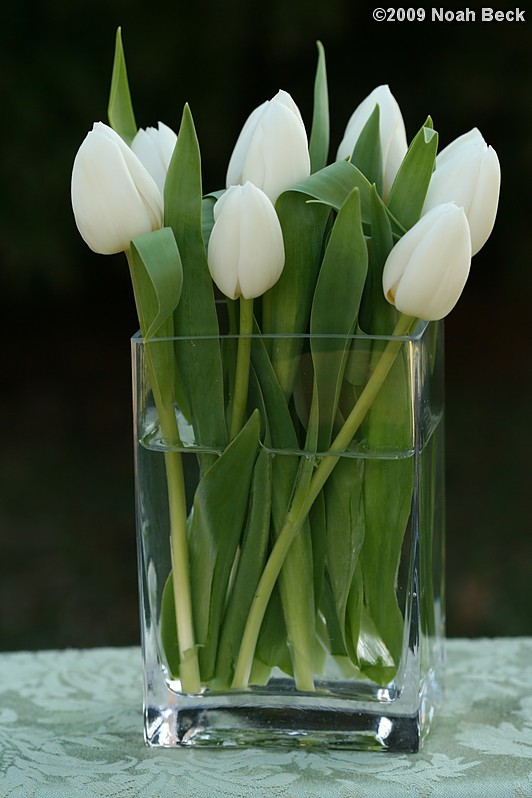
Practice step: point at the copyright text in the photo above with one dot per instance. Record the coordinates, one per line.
(445, 15)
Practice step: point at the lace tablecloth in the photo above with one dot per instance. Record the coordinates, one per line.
(71, 725)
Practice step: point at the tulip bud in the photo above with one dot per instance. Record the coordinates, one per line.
(272, 149)
(114, 197)
(468, 173)
(154, 148)
(427, 269)
(392, 132)
(246, 250)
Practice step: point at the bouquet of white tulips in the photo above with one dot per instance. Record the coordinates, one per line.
(303, 260)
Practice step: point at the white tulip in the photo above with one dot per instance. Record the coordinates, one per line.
(272, 149)
(114, 197)
(154, 147)
(468, 173)
(392, 132)
(246, 249)
(426, 271)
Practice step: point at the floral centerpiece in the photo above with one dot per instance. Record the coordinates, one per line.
(288, 411)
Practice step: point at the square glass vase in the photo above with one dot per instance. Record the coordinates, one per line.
(291, 570)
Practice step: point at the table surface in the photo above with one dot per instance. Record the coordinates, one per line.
(71, 725)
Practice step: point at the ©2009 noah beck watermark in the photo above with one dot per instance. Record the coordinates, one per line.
(446, 15)
(483, 15)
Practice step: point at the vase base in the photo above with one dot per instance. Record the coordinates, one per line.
(282, 725)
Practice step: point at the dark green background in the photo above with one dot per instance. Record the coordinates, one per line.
(68, 563)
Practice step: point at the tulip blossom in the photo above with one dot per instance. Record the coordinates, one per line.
(154, 146)
(427, 269)
(246, 250)
(114, 197)
(468, 173)
(272, 149)
(392, 132)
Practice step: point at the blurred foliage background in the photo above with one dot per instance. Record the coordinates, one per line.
(67, 540)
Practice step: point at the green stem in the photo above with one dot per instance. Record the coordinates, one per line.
(304, 499)
(189, 673)
(243, 361)
(162, 385)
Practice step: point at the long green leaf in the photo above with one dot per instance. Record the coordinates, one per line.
(120, 109)
(318, 534)
(220, 506)
(199, 365)
(345, 534)
(342, 275)
(388, 486)
(335, 634)
(319, 134)
(353, 616)
(411, 183)
(207, 218)
(272, 649)
(286, 307)
(281, 432)
(367, 155)
(374, 658)
(377, 315)
(335, 310)
(296, 582)
(250, 566)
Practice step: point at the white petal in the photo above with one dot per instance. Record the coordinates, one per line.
(108, 208)
(469, 142)
(457, 170)
(468, 174)
(272, 149)
(393, 155)
(402, 253)
(278, 154)
(224, 244)
(166, 139)
(146, 150)
(234, 170)
(284, 98)
(246, 251)
(437, 269)
(154, 147)
(261, 259)
(144, 182)
(483, 210)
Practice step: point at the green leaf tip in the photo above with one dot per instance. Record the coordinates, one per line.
(120, 109)
(182, 188)
(410, 186)
(319, 135)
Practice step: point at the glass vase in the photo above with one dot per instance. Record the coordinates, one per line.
(291, 573)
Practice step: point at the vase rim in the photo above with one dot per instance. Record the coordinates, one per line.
(412, 337)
